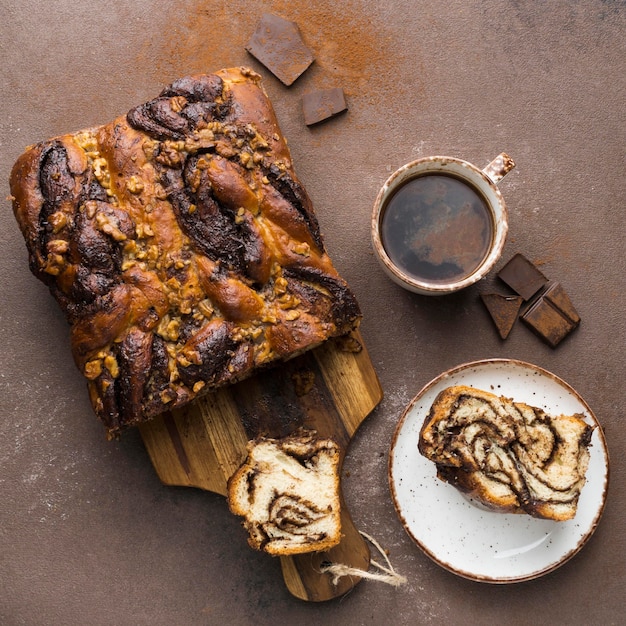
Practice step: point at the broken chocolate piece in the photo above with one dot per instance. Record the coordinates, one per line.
(277, 44)
(522, 276)
(322, 104)
(552, 316)
(559, 298)
(503, 310)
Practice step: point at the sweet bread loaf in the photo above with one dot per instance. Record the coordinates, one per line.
(180, 245)
(507, 455)
(287, 491)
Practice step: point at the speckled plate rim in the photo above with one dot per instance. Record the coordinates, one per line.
(432, 512)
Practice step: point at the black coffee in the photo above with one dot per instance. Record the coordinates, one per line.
(437, 228)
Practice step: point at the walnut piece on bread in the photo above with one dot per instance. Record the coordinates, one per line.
(287, 491)
(507, 455)
(180, 245)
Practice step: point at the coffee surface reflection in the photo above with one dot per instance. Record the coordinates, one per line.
(436, 228)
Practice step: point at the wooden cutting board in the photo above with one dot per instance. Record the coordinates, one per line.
(331, 389)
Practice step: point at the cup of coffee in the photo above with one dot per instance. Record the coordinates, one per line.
(439, 223)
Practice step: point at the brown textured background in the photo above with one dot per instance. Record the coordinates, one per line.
(88, 535)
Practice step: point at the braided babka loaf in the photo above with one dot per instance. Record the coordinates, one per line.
(287, 491)
(507, 455)
(180, 245)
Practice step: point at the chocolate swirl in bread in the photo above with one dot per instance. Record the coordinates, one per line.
(180, 245)
(287, 491)
(508, 455)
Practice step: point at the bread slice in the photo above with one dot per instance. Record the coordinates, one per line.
(181, 246)
(507, 455)
(287, 491)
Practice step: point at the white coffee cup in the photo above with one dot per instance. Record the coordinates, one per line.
(451, 221)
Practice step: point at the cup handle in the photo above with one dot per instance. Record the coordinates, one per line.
(499, 168)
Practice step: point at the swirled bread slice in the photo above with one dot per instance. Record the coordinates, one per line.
(287, 491)
(507, 455)
(180, 245)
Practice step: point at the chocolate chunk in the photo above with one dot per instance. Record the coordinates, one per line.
(552, 316)
(503, 310)
(322, 104)
(557, 296)
(522, 276)
(277, 44)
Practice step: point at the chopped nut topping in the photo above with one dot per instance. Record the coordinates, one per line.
(110, 362)
(170, 155)
(87, 141)
(206, 133)
(93, 369)
(225, 150)
(109, 226)
(134, 185)
(58, 246)
(239, 216)
(153, 253)
(167, 396)
(130, 247)
(280, 285)
(101, 172)
(58, 221)
(205, 308)
(173, 329)
(302, 248)
(288, 301)
(265, 352)
(258, 142)
(177, 103)
(149, 146)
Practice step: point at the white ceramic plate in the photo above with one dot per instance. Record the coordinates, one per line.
(471, 541)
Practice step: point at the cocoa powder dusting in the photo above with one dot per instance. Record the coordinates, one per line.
(351, 48)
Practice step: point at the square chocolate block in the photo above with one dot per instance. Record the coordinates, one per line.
(557, 296)
(552, 316)
(522, 276)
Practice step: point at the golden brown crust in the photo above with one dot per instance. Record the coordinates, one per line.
(507, 455)
(181, 246)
